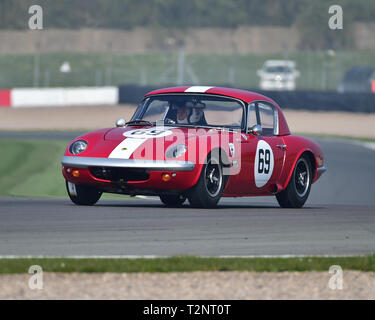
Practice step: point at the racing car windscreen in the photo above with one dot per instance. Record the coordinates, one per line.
(194, 110)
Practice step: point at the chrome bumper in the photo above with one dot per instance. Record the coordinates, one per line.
(321, 170)
(157, 165)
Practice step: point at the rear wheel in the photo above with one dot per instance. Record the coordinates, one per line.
(207, 192)
(299, 186)
(173, 200)
(82, 195)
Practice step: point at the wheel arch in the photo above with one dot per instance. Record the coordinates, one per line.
(220, 153)
(310, 155)
(198, 195)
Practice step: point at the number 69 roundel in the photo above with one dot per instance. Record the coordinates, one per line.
(263, 166)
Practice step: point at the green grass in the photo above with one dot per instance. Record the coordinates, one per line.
(32, 168)
(187, 264)
(319, 70)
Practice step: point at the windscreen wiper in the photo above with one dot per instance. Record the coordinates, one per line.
(140, 121)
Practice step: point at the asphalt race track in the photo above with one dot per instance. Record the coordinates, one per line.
(339, 219)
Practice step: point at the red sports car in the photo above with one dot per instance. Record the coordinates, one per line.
(197, 143)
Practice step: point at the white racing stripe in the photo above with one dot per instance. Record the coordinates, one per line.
(126, 148)
(198, 89)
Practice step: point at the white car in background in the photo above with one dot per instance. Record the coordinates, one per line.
(278, 75)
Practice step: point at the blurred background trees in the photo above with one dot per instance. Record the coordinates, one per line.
(220, 41)
(309, 16)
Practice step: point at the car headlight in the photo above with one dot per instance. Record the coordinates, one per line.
(175, 151)
(78, 146)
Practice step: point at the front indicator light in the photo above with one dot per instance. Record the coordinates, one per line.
(166, 177)
(76, 173)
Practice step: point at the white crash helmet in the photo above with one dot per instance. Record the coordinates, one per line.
(196, 115)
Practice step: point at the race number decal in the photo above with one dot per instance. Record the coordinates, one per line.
(135, 138)
(148, 133)
(263, 166)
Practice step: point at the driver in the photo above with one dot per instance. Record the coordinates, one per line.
(182, 115)
(188, 114)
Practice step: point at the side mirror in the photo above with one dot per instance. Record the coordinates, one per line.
(256, 130)
(121, 122)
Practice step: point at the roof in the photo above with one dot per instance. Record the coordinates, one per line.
(244, 95)
(247, 96)
(289, 63)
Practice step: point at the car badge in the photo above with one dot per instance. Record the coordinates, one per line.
(231, 149)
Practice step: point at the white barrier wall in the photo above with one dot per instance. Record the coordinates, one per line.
(60, 97)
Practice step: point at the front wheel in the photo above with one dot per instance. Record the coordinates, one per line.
(299, 186)
(82, 195)
(173, 200)
(207, 192)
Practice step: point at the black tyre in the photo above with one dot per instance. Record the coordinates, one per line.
(209, 188)
(173, 200)
(299, 186)
(83, 195)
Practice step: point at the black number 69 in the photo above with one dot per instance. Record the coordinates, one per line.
(264, 161)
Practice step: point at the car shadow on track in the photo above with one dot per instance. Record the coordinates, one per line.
(224, 206)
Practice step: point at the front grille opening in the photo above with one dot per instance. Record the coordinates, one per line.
(117, 174)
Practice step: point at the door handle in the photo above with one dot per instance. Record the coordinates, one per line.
(282, 146)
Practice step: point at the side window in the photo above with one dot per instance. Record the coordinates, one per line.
(266, 116)
(252, 116)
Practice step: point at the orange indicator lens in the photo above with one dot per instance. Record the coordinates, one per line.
(166, 177)
(75, 173)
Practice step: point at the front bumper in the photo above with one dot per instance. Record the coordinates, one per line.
(320, 171)
(157, 165)
(130, 176)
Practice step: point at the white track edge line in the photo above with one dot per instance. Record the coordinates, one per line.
(286, 256)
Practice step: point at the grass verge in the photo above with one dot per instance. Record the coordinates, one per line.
(187, 264)
(32, 168)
